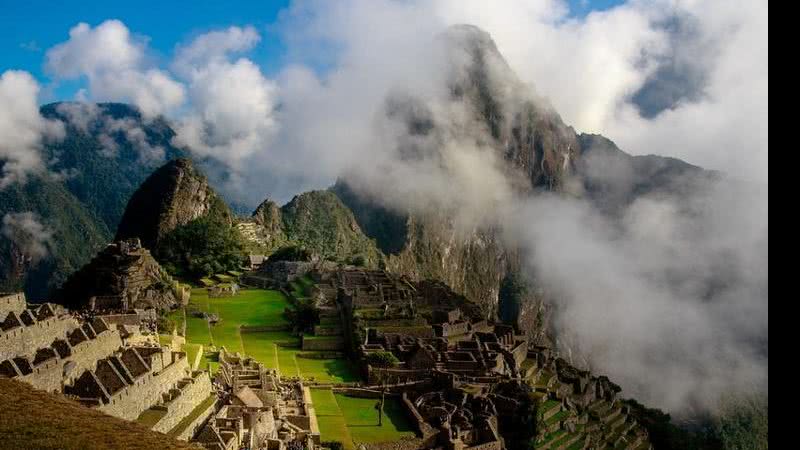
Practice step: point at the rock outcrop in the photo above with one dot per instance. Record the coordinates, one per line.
(173, 195)
(122, 276)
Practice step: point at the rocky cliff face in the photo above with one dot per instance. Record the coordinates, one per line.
(123, 275)
(173, 195)
(527, 132)
(540, 153)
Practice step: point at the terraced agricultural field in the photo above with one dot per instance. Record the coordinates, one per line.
(352, 420)
(256, 308)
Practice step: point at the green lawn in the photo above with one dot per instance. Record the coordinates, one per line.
(191, 352)
(350, 419)
(332, 426)
(256, 307)
(362, 419)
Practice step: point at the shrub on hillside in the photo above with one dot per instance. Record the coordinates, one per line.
(382, 359)
(201, 248)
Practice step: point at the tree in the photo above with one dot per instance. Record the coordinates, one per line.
(382, 359)
(201, 248)
(291, 253)
(303, 315)
(379, 407)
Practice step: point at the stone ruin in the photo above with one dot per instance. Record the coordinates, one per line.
(107, 365)
(122, 276)
(466, 381)
(258, 410)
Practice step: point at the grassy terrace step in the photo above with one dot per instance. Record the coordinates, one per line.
(567, 439)
(150, 417)
(548, 405)
(558, 417)
(550, 438)
(196, 412)
(577, 445)
(257, 308)
(351, 420)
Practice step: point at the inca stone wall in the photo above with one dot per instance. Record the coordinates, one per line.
(18, 338)
(132, 400)
(11, 302)
(52, 374)
(328, 343)
(188, 394)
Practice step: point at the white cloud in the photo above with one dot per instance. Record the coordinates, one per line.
(116, 66)
(26, 231)
(231, 102)
(22, 128)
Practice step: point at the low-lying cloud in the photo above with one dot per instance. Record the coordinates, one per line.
(22, 129)
(28, 234)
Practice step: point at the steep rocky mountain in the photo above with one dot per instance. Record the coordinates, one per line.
(612, 179)
(540, 153)
(173, 195)
(107, 151)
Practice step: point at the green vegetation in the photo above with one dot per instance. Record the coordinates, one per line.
(387, 227)
(201, 248)
(332, 425)
(743, 423)
(164, 323)
(350, 419)
(319, 222)
(76, 235)
(256, 308)
(382, 359)
(303, 315)
(362, 419)
(80, 210)
(291, 253)
(150, 417)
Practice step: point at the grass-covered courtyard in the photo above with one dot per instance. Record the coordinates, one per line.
(275, 349)
(352, 420)
(348, 420)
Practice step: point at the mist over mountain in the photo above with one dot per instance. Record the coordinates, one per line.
(445, 163)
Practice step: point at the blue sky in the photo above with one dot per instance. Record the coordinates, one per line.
(29, 28)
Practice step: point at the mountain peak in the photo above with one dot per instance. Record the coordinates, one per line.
(173, 195)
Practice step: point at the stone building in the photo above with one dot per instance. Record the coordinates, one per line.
(112, 367)
(259, 410)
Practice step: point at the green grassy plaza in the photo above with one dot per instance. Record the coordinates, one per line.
(350, 419)
(275, 349)
(340, 418)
